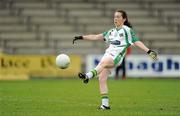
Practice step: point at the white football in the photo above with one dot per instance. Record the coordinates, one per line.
(63, 61)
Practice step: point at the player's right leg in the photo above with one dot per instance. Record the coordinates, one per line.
(106, 62)
(83, 77)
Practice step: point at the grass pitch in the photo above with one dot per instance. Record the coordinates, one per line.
(132, 97)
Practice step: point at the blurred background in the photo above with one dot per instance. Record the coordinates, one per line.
(47, 27)
(34, 32)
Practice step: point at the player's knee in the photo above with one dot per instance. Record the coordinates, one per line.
(104, 64)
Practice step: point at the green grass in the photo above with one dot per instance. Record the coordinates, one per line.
(132, 97)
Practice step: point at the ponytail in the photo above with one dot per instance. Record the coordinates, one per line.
(127, 23)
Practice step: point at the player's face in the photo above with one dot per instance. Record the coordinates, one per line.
(118, 19)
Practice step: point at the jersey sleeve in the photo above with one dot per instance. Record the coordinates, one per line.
(133, 36)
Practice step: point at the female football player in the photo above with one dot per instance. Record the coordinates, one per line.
(119, 38)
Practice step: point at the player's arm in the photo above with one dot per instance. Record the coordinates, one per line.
(141, 45)
(137, 42)
(150, 52)
(93, 37)
(89, 37)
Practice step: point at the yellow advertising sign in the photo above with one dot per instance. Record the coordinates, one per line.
(37, 66)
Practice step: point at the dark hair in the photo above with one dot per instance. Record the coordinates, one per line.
(124, 15)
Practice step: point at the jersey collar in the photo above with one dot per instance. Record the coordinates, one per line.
(118, 28)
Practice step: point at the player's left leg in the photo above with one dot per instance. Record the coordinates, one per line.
(104, 89)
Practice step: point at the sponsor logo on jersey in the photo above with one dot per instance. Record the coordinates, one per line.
(116, 42)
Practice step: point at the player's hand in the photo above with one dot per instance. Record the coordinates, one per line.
(77, 38)
(152, 54)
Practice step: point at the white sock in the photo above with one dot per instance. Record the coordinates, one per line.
(105, 101)
(89, 74)
(92, 73)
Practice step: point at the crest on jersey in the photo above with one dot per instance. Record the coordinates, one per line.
(121, 35)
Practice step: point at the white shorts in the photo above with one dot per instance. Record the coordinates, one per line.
(115, 55)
